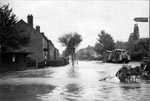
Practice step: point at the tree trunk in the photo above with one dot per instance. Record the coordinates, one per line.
(73, 57)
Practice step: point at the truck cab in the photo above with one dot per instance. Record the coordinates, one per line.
(120, 56)
(107, 56)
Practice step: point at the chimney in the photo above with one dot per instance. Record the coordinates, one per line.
(38, 28)
(30, 19)
(42, 33)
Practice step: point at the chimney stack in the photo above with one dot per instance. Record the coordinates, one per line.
(42, 33)
(38, 28)
(30, 19)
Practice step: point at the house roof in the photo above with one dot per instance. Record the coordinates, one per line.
(51, 42)
(42, 33)
(23, 22)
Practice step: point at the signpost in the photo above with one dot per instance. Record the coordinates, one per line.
(144, 19)
(141, 19)
(45, 57)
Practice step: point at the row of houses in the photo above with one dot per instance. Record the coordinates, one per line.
(39, 49)
(39, 44)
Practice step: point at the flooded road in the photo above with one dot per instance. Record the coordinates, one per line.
(87, 81)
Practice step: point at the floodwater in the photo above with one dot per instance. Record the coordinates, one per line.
(87, 81)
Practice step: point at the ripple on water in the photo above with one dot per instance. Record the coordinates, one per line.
(82, 83)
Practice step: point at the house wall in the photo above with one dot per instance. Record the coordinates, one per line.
(56, 54)
(51, 51)
(35, 44)
(38, 42)
(13, 62)
(44, 46)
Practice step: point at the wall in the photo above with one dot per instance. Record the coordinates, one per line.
(12, 61)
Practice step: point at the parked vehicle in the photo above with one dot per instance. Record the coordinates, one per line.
(107, 56)
(117, 56)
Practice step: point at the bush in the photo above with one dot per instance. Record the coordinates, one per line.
(138, 55)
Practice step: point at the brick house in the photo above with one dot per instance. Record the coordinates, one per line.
(38, 49)
(56, 54)
(39, 45)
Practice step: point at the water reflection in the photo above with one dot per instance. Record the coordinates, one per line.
(36, 73)
(72, 92)
(73, 72)
(73, 88)
(23, 92)
(134, 92)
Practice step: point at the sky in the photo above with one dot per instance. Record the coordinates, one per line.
(86, 17)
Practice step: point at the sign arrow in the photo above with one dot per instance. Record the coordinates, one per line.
(141, 19)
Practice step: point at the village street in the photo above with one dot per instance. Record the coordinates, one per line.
(84, 82)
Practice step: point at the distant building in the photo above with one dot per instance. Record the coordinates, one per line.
(91, 50)
(87, 53)
(134, 36)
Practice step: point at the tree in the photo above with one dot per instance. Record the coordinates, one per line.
(137, 47)
(140, 49)
(71, 42)
(105, 42)
(121, 45)
(98, 48)
(10, 37)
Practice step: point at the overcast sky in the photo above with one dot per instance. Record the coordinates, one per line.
(87, 17)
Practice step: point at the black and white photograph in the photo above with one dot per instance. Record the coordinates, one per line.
(74, 50)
